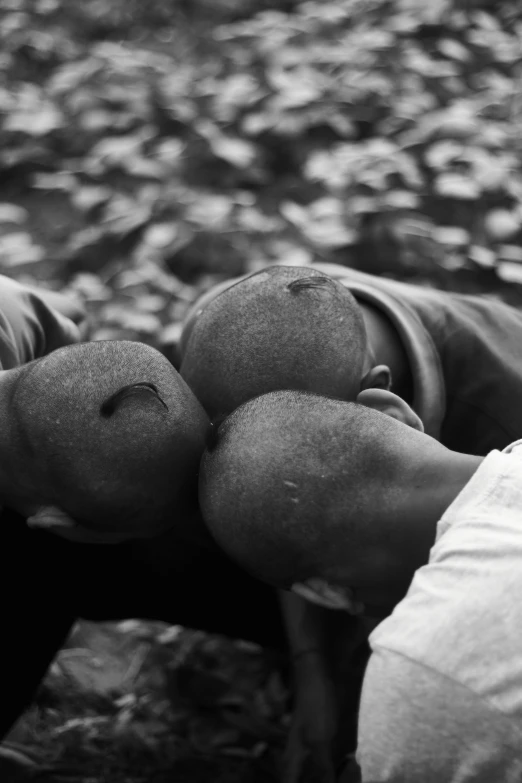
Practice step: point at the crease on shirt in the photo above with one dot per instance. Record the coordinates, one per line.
(514, 722)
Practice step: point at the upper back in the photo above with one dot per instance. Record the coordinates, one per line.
(478, 343)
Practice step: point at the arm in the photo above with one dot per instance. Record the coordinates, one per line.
(310, 742)
(415, 724)
(303, 625)
(322, 643)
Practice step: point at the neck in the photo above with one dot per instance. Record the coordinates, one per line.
(434, 486)
(385, 347)
(408, 524)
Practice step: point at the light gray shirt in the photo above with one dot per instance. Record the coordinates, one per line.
(442, 694)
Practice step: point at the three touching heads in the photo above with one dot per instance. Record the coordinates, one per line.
(110, 436)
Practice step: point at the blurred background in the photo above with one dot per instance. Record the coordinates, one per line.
(150, 150)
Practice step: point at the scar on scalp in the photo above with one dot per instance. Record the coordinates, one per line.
(304, 283)
(111, 404)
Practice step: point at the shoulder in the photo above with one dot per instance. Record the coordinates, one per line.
(33, 322)
(460, 611)
(416, 724)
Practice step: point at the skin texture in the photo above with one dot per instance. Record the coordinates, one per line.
(254, 337)
(281, 328)
(338, 497)
(100, 442)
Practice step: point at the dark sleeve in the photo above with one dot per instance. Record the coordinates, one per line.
(64, 304)
(30, 326)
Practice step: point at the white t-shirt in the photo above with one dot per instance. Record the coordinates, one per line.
(442, 695)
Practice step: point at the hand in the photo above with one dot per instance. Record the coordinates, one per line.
(309, 752)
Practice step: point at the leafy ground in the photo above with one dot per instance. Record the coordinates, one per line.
(148, 150)
(141, 701)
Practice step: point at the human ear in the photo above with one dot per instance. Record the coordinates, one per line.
(322, 593)
(390, 404)
(52, 519)
(379, 377)
(60, 523)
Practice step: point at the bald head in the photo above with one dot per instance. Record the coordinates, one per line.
(293, 480)
(281, 328)
(110, 433)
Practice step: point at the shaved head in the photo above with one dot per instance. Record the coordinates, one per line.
(291, 479)
(110, 433)
(281, 328)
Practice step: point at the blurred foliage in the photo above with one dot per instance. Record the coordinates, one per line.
(142, 702)
(147, 150)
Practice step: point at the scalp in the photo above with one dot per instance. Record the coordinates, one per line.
(281, 328)
(110, 430)
(288, 474)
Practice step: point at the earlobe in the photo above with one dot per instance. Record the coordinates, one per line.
(320, 592)
(51, 518)
(379, 377)
(55, 520)
(391, 405)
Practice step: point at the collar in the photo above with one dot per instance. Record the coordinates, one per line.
(429, 392)
(515, 446)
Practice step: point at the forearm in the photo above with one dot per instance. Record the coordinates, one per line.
(328, 656)
(305, 625)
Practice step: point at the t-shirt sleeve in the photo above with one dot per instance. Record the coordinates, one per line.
(30, 327)
(417, 725)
